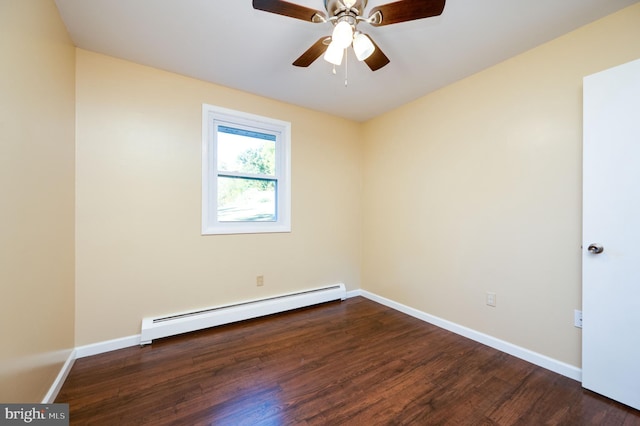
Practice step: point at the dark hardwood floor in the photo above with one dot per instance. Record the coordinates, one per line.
(344, 363)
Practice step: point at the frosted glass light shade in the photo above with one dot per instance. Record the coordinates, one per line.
(362, 46)
(334, 54)
(342, 34)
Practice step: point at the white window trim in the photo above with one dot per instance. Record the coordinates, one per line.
(210, 224)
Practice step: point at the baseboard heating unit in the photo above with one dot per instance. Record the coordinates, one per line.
(170, 325)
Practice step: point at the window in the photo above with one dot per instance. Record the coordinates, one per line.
(246, 174)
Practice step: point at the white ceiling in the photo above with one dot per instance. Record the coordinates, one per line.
(229, 43)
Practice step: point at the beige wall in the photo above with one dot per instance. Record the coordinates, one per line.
(477, 187)
(139, 248)
(37, 207)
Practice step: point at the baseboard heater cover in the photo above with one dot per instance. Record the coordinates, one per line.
(171, 325)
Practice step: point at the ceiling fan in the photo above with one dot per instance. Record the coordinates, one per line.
(345, 15)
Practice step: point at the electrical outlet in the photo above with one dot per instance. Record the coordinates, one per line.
(260, 280)
(491, 299)
(577, 318)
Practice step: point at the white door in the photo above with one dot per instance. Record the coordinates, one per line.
(611, 221)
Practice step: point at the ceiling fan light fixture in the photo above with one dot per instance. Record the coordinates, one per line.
(342, 34)
(334, 54)
(362, 46)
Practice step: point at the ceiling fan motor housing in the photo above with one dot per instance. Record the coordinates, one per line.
(337, 8)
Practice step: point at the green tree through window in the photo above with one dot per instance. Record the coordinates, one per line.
(246, 184)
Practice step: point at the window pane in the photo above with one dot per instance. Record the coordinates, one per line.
(246, 151)
(246, 200)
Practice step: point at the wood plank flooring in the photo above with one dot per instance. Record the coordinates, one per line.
(343, 363)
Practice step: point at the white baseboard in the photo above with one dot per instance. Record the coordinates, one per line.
(129, 341)
(50, 397)
(543, 361)
(84, 351)
(354, 293)
(107, 346)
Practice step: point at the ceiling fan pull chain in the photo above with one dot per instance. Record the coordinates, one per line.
(346, 67)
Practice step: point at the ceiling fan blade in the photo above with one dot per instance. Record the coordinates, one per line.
(377, 59)
(312, 53)
(405, 10)
(290, 9)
